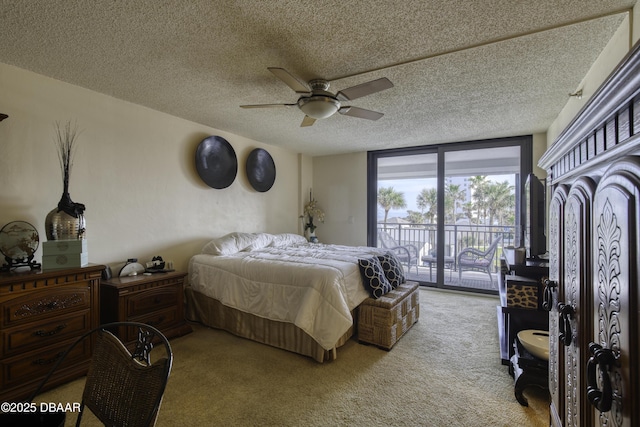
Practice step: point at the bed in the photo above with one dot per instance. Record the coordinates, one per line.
(279, 290)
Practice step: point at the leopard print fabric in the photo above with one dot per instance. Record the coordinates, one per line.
(524, 296)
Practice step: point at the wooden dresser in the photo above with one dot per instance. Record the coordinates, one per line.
(157, 300)
(42, 313)
(594, 264)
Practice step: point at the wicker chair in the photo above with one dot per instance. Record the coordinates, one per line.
(477, 260)
(406, 254)
(123, 388)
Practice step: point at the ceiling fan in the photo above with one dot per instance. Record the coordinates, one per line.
(317, 103)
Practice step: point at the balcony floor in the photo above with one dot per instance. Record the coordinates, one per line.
(470, 279)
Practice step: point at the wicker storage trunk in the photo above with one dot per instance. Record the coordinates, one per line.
(383, 321)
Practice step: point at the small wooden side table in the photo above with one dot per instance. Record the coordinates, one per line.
(157, 300)
(527, 371)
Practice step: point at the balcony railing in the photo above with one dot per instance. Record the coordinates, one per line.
(456, 238)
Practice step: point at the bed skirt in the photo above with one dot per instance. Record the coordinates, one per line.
(211, 312)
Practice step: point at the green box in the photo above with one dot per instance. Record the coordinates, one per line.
(63, 247)
(60, 261)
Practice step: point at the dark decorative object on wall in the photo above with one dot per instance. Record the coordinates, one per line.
(216, 162)
(66, 222)
(261, 170)
(19, 241)
(3, 116)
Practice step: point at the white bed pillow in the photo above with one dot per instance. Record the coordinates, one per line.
(261, 240)
(229, 243)
(287, 239)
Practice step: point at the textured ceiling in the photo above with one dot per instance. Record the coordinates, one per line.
(462, 70)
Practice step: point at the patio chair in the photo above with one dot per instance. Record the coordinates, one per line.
(406, 254)
(122, 388)
(477, 260)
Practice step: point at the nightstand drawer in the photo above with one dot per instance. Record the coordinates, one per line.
(161, 320)
(152, 300)
(40, 305)
(24, 368)
(39, 334)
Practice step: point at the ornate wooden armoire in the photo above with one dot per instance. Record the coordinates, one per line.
(593, 188)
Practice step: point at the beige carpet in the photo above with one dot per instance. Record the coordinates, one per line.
(445, 371)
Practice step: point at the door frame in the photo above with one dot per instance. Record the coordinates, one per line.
(525, 143)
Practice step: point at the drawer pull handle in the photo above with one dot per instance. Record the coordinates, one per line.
(549, 287)
(564, 323)
(602, 359)
(159, 321)
(57, 329)
(42, 362)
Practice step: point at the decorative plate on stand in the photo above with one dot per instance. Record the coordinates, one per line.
(131, 269)
(19, 241)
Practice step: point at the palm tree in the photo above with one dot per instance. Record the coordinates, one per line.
(427, 201)
(479, 185)
(500, 198)
(468, 208)
(453, 195)
(388, 199)
(415, 217)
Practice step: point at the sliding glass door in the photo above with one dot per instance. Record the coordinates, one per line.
(407, 206)
(448, 210)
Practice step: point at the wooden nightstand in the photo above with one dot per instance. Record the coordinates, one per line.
(157, 300)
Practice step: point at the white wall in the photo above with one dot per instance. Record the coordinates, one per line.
(340, 186)
(135, 172)
(620, 44)
(305, 181)
(539, 146)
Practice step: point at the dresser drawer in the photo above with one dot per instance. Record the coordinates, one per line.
(38, 334)
(152, 300)
(32, 366)
(40, 305)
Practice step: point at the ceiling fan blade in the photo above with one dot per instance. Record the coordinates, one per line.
(360, 113)
(307, 121)
(364, 89)
(267, 105)
(289, 79)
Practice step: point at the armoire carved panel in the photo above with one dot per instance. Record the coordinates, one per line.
(556, 245)
(594, 235)
(615, 304)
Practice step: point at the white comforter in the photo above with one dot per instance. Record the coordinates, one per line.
(313, 286)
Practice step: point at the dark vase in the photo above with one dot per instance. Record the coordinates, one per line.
(66, 221)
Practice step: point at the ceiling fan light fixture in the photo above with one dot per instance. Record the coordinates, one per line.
(319, 107)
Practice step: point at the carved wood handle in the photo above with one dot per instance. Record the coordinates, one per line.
(601, 358)
(156, 322)
(47, 361)
(547, 300)
(41, 333)
(566, 314)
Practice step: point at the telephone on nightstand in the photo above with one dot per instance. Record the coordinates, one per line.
(157, 265)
